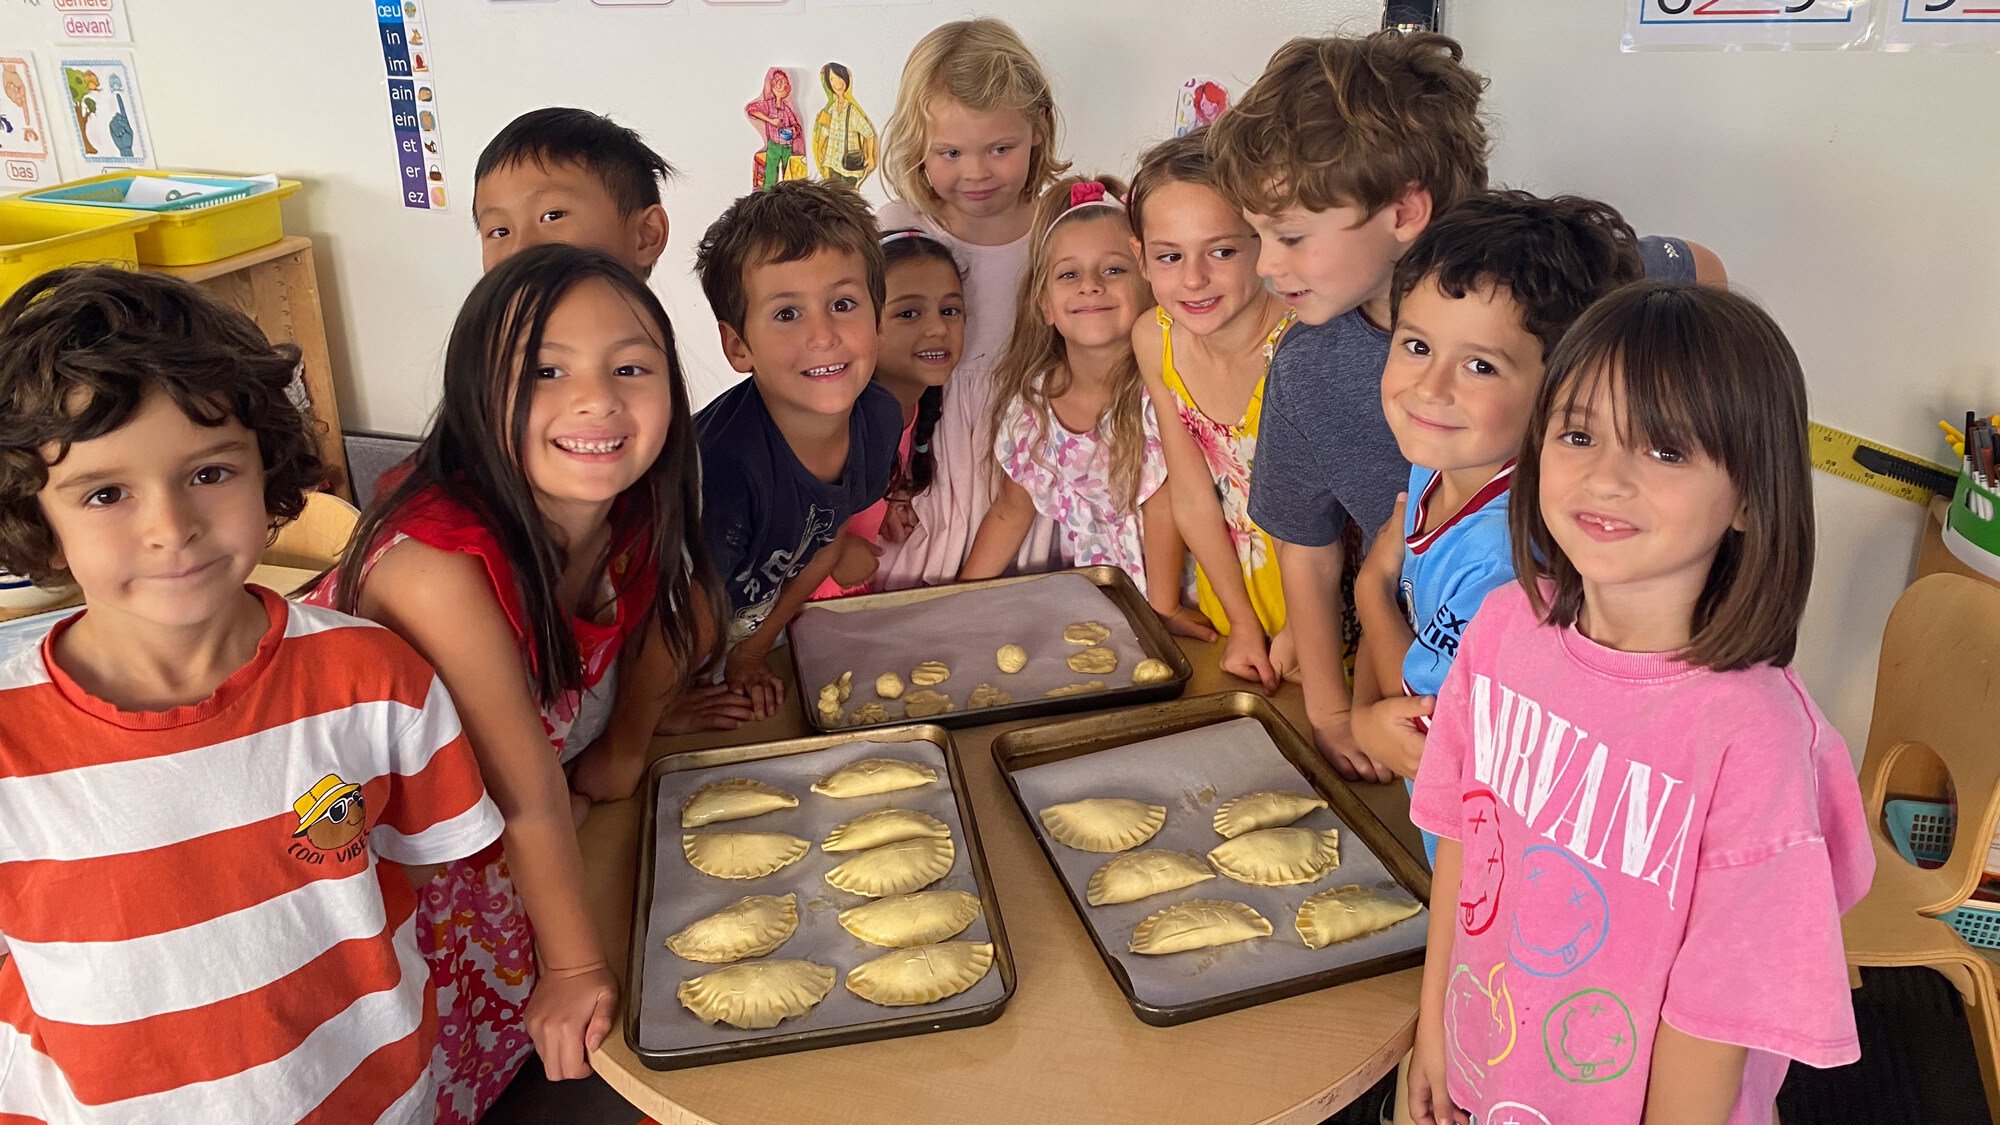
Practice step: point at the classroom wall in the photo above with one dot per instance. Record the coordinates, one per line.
(1850, 192)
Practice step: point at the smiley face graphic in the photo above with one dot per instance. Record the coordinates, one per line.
(331, 813)
(1484, 872)
(1560, 916)
(1590, 1037)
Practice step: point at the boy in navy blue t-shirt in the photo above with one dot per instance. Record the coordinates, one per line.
(1479, 300)
(795, 276)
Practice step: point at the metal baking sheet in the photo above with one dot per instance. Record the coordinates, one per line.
(663, 1033)
(1192, 757)
(963, 625)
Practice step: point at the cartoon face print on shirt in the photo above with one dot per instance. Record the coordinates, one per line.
(1513, 1113)
(1484, 873)
(1560, 915)
(331, 813)
(1590, 1037)
(1479, 1022)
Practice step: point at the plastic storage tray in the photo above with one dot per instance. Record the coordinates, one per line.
(37, 238)
(1921, 832)
(184, 232)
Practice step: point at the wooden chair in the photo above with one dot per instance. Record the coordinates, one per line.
(314, 540)
(1938, 687)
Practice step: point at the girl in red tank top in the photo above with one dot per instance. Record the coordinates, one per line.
(540, 546)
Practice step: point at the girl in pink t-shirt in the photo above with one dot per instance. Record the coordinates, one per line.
(1648, 832)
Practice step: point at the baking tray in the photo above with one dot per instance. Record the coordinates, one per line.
(891, 632)
(1180, 987)
(793, 765)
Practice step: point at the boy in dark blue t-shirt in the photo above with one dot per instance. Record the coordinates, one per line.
(795, 276)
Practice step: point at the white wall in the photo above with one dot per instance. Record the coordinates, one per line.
(1851, 192)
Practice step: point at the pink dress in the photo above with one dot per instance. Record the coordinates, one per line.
(1069, 476)
(471, 927)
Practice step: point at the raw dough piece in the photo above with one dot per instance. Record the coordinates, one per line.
(741, 855)
(986, 695)
(758, 995)
(749, 927)
(1151, 671)
(923, 975)
(889, 685)
(1350, 912)
(1011, 658)
(1103, 824)
(894, 869)
(1154, 871)
(923, 703)
(829, 696)
(735, 799)
(930, 674)
(1278, 857)
(1086, 633)
(873, 775)
(1075, 689)
(901, 921)
(884, 826)
(1197, 924)
(1093, 661)
(829, 712)
(1267, 809)
(869, 714)
(846, 684)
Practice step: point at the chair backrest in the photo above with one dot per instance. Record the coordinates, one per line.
(315, 540)
(1938, 686)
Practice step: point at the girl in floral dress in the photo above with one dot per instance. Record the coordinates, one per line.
(1203, 354)
(541, 549)
(1073, 430)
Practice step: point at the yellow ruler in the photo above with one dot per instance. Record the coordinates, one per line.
(1878, 466)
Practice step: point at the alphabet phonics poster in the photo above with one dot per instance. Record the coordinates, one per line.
(1737, 24)
(27, 154)
(106, 116)
(413, 102)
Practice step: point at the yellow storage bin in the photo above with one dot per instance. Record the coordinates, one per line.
(38, 237)
(183, 237)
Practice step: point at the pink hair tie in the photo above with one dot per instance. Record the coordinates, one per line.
(1090, 191)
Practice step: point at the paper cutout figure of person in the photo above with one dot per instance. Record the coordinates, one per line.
(1202, 101)
(844, 145)
(773, 115)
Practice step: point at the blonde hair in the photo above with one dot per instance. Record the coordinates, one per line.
(1035, 366)
(983, 64)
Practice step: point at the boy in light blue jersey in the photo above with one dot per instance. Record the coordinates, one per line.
(1482, 295)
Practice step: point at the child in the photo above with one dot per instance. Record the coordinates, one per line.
(206, 792)
(969, 149)
(1210, 342)
(1649, 831)
(1339, 156)
(789, 455)
(547, 526)
(923, 332)
(1483, 295)
(1073, 429)
(570, 175)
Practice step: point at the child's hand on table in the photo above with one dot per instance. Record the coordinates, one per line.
(1333, 737)
(1245, 657)
(747, 674)
(568, 1016)
(706, 707)
(1186, 622)
(1387, 731)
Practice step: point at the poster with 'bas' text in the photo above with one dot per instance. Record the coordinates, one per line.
(27, 148)
(1748, 24)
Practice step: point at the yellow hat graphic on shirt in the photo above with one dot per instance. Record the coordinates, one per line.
(330, 813)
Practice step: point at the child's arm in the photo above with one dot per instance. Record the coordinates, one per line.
(1198, 516)
(443, 604)
(1001, 533)
(1164, 553)
(747, 669)
(1383, 718)
(1311, 579)
(1694, 1081)
(1430, 1103)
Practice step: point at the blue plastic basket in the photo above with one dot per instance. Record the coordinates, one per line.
(1921, 832)
(110, 192)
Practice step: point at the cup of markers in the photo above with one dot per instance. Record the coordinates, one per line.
(1972, 524)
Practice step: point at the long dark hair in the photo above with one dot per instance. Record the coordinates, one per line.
(471, 455)
(915, 246)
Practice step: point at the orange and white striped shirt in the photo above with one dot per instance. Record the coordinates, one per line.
(195, 922)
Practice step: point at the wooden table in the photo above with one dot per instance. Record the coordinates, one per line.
(1067, 1048)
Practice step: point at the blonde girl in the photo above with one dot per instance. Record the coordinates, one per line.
(969, 148)
(1203, 354)
(1073, 429)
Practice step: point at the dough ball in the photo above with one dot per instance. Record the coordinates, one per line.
(1011, 658)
